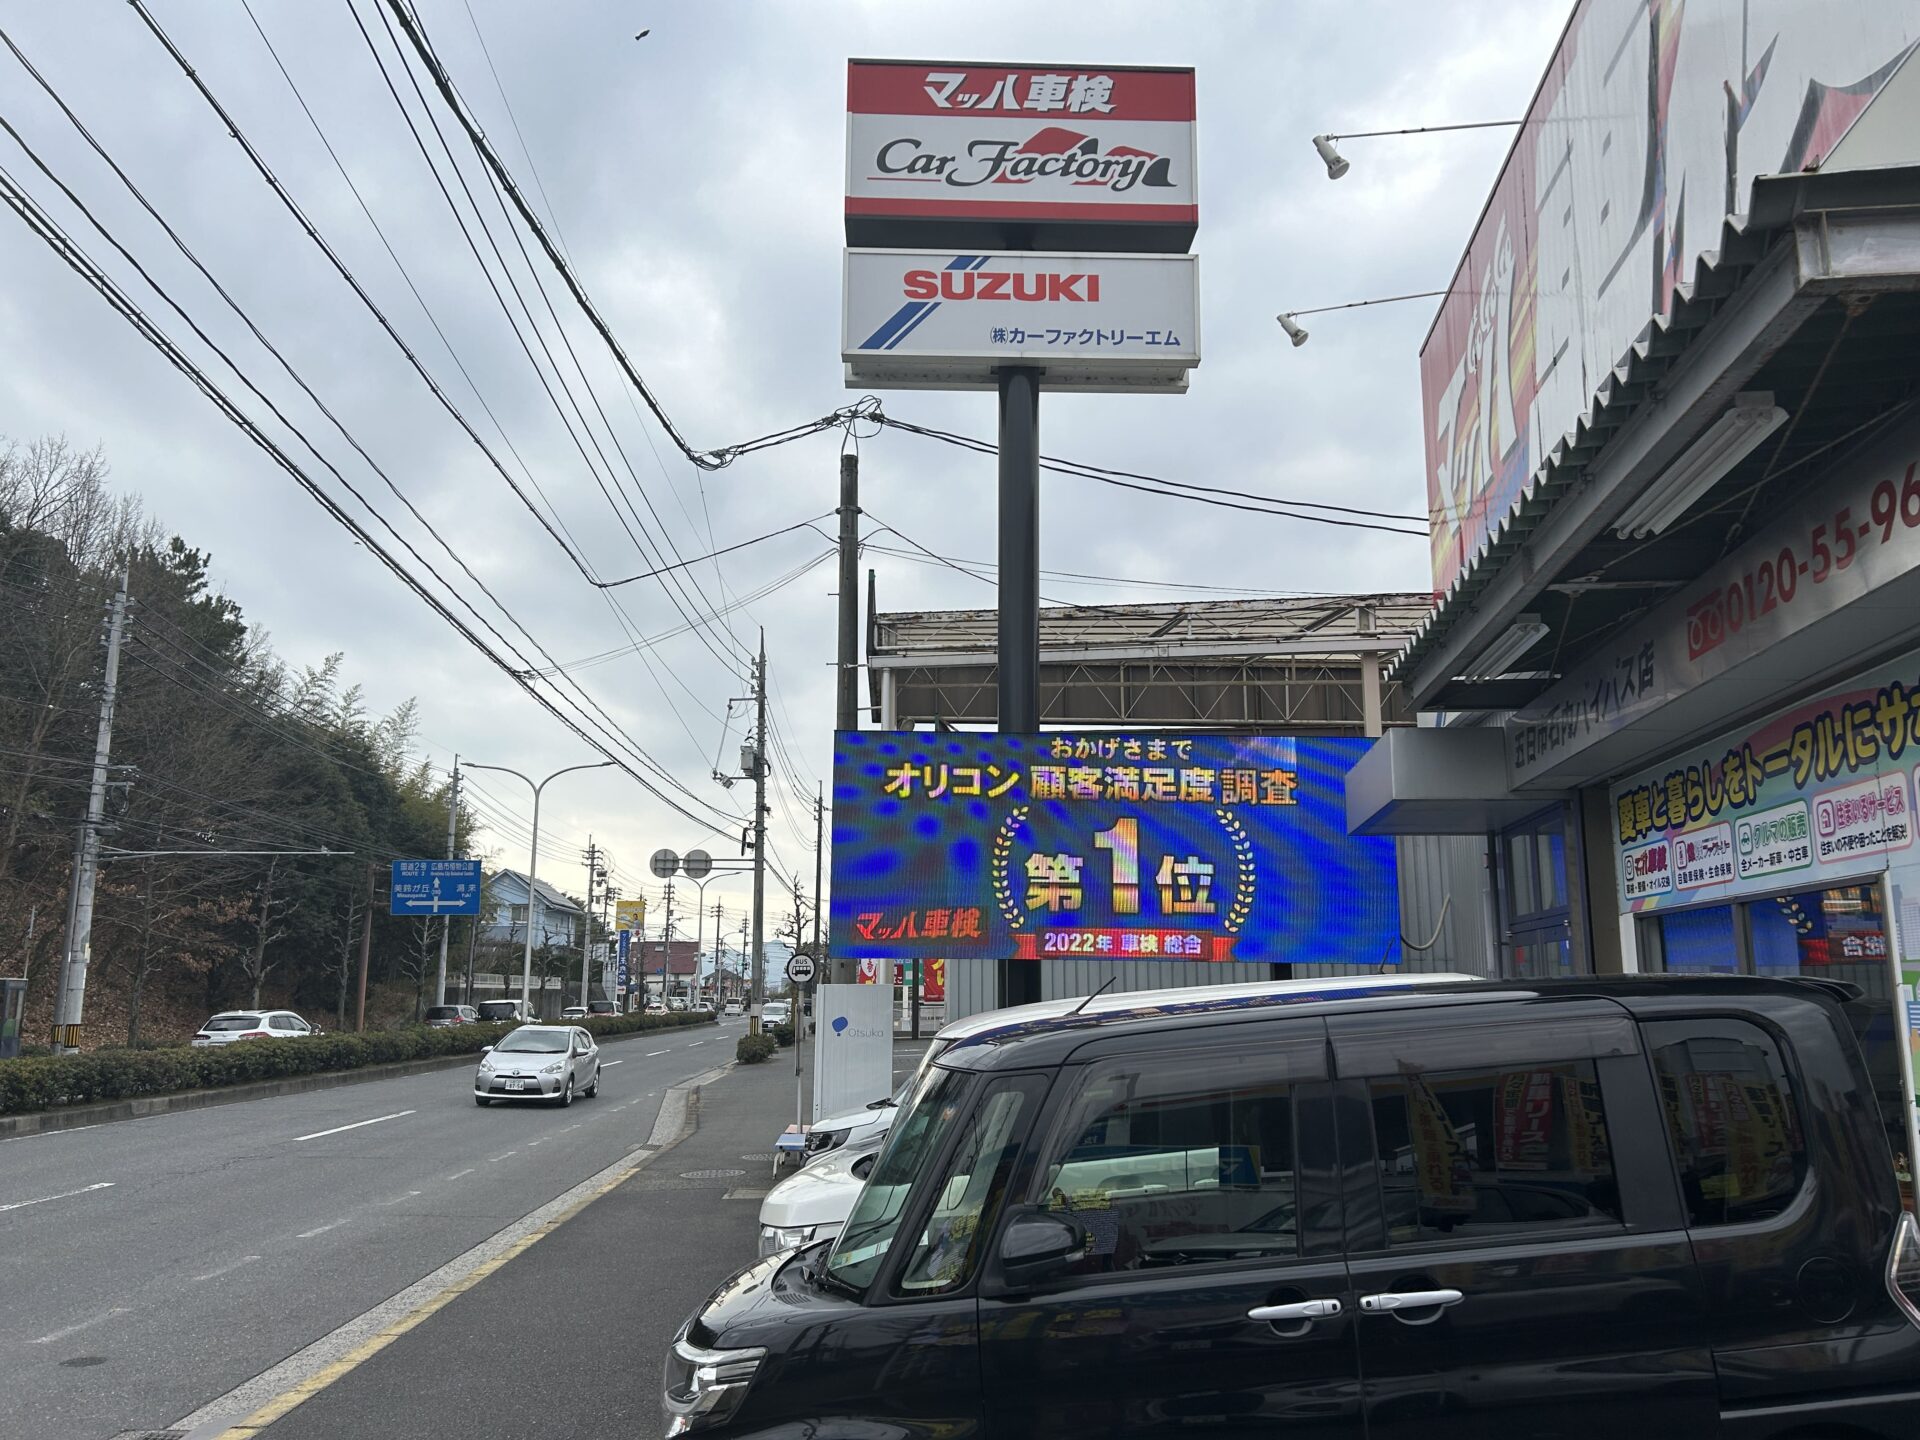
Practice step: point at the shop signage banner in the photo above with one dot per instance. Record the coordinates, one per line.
(629, 916)
(1651, 122)
(1841, 544)
(933, 976)
(1123, 845)
(965, 143)
(939, 317)
(1818, 794)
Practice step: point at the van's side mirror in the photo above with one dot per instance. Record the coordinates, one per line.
(486, 1049)
(1037, 1243)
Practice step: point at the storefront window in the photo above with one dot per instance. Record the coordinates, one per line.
(1534, 955)
(1696, 942)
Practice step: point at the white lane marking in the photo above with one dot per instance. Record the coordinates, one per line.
(541, 1141)
(570, 1127)
(605, 1063)
(696, 1042)
(651, 1053)
(224, 1269)
(83, 1325)
(322, 1229)
(401, 1199)
(467, 1171)
(496, 1159)
(64, 1195)
(355, 1126)
(49, 1134)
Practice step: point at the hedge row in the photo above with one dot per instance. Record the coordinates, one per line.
(755, 1049)
(47, 1083)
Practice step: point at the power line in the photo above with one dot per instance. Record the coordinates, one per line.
(76, 259)
(1170, 489)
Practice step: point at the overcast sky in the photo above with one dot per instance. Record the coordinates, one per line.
(695, 177)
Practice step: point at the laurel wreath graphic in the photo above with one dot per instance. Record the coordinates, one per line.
(1002, 867)
(1242, 907)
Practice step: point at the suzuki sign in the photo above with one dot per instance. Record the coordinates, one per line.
(1055, 157)
(920, 319)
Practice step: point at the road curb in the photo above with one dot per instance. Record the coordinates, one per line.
(248, 1409)
(140, 1107)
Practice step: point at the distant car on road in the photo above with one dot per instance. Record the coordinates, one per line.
(498, 1011)
(539, 1062)
(734, 1007)
(775, 1012)
(602, 1007)
(232, 1025)
(439, 1017)
(574, 1012)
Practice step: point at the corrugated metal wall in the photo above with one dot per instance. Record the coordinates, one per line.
(1442, 887)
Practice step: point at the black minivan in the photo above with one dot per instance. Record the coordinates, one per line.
(1633, 1206)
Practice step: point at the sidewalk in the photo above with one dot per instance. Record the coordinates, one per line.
(573, 1331)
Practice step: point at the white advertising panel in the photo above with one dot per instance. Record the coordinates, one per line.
(936, 147)
(1649, 126)
(940, 319)
(853, 1047)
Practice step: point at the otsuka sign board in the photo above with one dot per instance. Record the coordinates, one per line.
(1649, 126)
(1096, 157)
(937, 319)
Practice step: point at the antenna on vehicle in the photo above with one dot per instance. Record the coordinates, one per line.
(1112, 980)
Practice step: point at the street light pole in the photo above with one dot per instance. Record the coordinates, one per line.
(533, 863)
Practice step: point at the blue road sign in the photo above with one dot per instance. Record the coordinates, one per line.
(436, 887)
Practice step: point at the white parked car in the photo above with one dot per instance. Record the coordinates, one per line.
(774, 1012)
(539, 1062)
(814, 1203)
(232, 1025)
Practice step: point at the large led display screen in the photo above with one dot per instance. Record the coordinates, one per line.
(1105, 846)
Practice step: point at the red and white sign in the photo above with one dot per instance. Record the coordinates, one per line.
(1651, 117)
(946, 141)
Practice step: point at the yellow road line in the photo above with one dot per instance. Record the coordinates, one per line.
(292, 1399)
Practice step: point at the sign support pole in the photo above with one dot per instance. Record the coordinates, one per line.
(446, 921)
(1019, 648)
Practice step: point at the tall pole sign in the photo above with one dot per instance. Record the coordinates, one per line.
(1020, 228)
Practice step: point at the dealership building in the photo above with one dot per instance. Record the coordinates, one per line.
(1670, 685)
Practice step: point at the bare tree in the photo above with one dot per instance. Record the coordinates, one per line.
(420, 954)
(338, 965)
(269, 912)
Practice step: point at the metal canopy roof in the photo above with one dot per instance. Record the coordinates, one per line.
(1296, 663)
(1812, 296)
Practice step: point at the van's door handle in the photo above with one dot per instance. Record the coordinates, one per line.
(1293, 1314)
(1391, 1300)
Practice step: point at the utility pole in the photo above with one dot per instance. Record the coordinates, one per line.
(366, 949)
(70, 1009)
(819, 821)
(453, 840)
(846, 714)
(666, 945)
(759, 992)
(593, 858)
(719, 950)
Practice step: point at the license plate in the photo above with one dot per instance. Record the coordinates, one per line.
(516, 1084)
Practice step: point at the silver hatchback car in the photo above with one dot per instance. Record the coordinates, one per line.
(539, 1062)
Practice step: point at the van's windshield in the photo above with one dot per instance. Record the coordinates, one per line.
(930, 1115)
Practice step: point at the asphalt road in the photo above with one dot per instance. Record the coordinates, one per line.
(567, 1338)
(149, 1266)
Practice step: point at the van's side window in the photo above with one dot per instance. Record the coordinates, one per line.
(1178, 1161)
(969, 1199)
(1730, 1110)
(1493, 1151)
